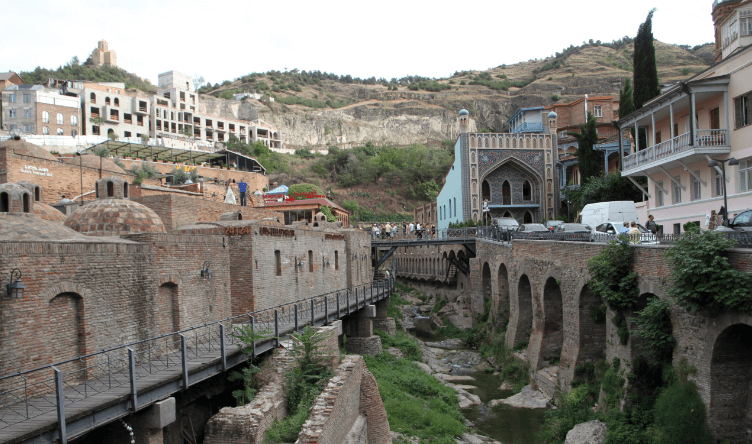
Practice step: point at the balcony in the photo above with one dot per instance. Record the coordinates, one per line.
(673, 152)
(140, 106)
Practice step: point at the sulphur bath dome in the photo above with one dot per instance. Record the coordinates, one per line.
(113, 214)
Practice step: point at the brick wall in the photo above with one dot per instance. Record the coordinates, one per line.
(372, 407)
(177, 210)
(255, 181)
(53, 126)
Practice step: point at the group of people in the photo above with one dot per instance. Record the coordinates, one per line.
(391, 231)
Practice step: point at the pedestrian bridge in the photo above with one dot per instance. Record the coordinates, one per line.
(65, 400)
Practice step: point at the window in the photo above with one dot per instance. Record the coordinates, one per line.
(455, 207)
(93, 98)
(106, 100)
(717, 183)
(310, 261)
(27, 128)
(745, 175)
(11, 113)
(677, 189)
(743, 110)
(45, 117)
(696, 192)
(27, 112)
(745, 22)
(59, 118)
(74, 133)
(11, 98)
(598, 111)
(336, 260)
(278, 262)
(127, 134)
(658, 194)
(27, 98)
(45, 131)
(730, 32)
(117, 101)
(527, 193)
(74, 120)
(60, 132)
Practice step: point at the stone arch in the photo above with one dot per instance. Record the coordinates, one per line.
(502, 291)
(550, 322)
(486, 283)
(592, 327)
(168, 314)
(730, 412)
(523, 325)
(66, 321)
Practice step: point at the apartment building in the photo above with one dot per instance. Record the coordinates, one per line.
(733, 26)
(9, 78)
(706, 117)
(123, 113)
(36, 109)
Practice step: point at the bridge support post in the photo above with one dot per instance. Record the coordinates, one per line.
(381, 321)
(132, 375)
(276, 327)
(326, 309)
(360, 337)
(148, 425)
(296, 318)
(339, 313)
(60, 400)
(183, 362)
(223, 347)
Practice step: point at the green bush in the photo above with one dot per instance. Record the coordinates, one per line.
(571, 409)
(680, 416)
(416, 403)
(655, 327)
(612, 277)
(403, 341)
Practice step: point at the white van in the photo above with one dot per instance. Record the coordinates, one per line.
(602, 212)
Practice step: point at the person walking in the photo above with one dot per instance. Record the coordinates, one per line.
(433, 231)
(417, 231)
(394, 230)
(375, 232)
(651, 226)
(387, 230)
(404, 229)
(634, 233)
(411, 229)
(243, 187)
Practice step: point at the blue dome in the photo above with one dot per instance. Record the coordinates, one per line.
(552, 115)
(464, 112)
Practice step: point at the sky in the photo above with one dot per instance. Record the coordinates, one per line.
(222, 40)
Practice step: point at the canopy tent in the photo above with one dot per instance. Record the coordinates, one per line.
(282, 189)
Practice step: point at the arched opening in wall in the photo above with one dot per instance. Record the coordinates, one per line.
(111, 134)
(506, 193)
(37, 194)
(93, 98)
(4, 203)
(528, 218)
(168, 317)
(553, 323)
(125, 191)
(310, 261)
(486, 283)
(502, 286)
(730, 413)
(110, 189)
(117, 101)
(592, 328)
(486, 191)
(26, 203)
(507, 214)
(527, 191)
(106, 100)
(65, 321)
(525, 312)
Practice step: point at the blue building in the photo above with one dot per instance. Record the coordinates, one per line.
(513, 173)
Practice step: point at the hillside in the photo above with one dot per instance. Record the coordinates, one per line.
(88, 72)
(317, 109)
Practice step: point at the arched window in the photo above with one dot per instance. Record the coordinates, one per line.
(527, 191)
(73, 133)
(110, 189)
(117, 101)
(60, 118)
(528, 218)
(26, 205)
(93, 98)
(111, 134)
(74, 120)
(506, 193)
(507, 214)
(45, 131)
(45, 117)
(125, 194)
(60, 132)
(106, 100)
(486, 191)
(37, 194)
(336, 260)
(455, 207)
(4, 204)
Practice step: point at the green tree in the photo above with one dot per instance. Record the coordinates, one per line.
(626, 99)
(607, 189)
(588, 160)
(304, 188)
(645, 70)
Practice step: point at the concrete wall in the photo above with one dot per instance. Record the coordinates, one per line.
(451, 192)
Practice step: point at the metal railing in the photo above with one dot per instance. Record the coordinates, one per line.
(424, 235)
(703, 138)
(51, 388)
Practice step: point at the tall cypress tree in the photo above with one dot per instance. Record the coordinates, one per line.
(626, 101)
(588, 159)
(645, 71)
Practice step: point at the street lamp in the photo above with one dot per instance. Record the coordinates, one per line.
(714, 163)
(15, 287)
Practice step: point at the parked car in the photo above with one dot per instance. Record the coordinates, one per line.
(742, 222)
(551, 224)
(531, 231)
(602, 212)
(609, 231)
(574, 232)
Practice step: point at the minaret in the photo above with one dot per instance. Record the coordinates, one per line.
(552, 123)
(464, 121)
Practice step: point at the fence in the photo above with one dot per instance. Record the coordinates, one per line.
(52, 388)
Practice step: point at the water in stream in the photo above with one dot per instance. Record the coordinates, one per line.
(503, 423)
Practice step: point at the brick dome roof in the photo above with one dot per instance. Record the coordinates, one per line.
(20, 227)
(46, 212)
(113, 217)
(27, 149)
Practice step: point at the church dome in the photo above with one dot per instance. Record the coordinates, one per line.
(464, 112)
(113, 217)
